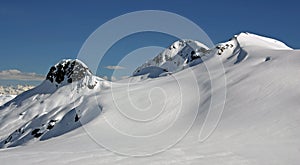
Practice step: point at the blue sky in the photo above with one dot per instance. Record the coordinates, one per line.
(37, 34)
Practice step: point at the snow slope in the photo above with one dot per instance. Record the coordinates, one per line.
(50, 109)
(5, 98)
(7, 93)
(258, 125)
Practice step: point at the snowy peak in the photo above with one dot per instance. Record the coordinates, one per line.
(237, 49)
(243, 41)
(56, 105)
(68, 71)
(247, 39)
(185, 53)
(176, 57)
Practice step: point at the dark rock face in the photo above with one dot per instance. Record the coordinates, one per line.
(36, 133)
(77, 117)
(69, 70)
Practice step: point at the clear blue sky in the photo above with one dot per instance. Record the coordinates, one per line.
(36, 34)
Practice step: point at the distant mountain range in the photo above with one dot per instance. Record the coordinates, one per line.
(14, 90)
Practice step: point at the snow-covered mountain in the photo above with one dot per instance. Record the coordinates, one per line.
(34, 113)
(235, 104)
(178, 56)
(186, 53)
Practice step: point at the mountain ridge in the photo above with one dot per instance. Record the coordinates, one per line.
(74, 75)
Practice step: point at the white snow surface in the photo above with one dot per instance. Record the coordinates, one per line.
(260, 122)
(5, 98)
